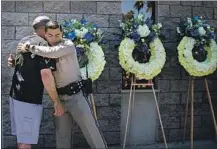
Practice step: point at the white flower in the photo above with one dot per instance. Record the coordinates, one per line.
(159, 25)
(140, 17)
(189, 22)
(178, 30)
(80, 33)
(121, 24)
(143, 40)
(202, 31)
(143, 31)
(80, 46)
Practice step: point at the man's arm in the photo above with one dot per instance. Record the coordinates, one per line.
(50, 86)
(52, 52)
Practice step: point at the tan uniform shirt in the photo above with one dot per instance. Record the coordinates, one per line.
(67, 66)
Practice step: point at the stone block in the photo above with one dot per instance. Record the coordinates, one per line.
(169, 98)
(108, 112)
(8, 6)
(115, 99)
(108, 86)
(101, 99)
(180, 11)
(115, 73)
(114, 20)
(99, 20)
(14, 18)
(109, 7)
(32, 16)
(206, 13)
(62, 17)
(25, 6)
(23, 31)
(163, 10)
(83, 7)
(59, 7)
(8, 32)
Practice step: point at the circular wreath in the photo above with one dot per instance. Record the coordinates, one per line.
(142, 70)
(87, 39)
(192, 66)
(96, 62)
(197, 41)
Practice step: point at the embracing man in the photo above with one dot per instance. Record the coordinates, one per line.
(69, 87)
(31, 74)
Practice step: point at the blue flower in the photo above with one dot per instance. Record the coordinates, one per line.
(148, 22)
(151, 36)
(79, 50)
(89, 37)
(135, 36)
(71, 35)
(196, 18)
(67, 24)
(83, 21)
(95, 26)
(143, 48)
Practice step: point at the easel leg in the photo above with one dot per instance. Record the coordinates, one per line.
(192, 113)
(128, 114)
(94, 107)
(211, 106)
(186, 109)
(158, 111)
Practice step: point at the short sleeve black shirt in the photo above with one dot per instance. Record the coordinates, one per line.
(27, 85)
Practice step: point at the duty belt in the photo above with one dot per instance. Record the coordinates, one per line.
(70, 89)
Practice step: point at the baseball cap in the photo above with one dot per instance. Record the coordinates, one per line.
(40, 20)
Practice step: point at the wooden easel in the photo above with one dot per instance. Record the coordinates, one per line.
(130, 109)
(191, 87)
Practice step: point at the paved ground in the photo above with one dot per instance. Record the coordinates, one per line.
(197, 145)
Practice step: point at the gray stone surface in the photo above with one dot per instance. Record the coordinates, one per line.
(14, 18)
(32, 16)
(169, 2)
(169, 98)
(59, 7)
(34, 6)
(115, 99)
(9, 46)
(206, 13)
(62, 17)
(192, 3)
(116, 73)
(108, 7)
(215, 13)
(83, 7)
(164, 10)
(8, 32)
(114, 20)
(8, 6)
(101, 99)
(23, 31)
(99, 20)
(210, 4)
(180, 11)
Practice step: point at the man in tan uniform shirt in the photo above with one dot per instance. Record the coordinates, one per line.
(75, 103)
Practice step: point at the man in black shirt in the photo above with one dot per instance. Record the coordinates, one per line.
(30, 74)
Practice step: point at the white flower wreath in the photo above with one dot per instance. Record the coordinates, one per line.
(192, 66)
(96, 62)
(142, 70)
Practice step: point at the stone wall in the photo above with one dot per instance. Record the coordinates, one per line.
(17, 18)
